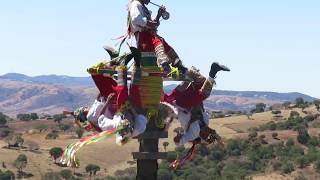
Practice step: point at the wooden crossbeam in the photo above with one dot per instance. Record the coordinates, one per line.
(153, 135)
(149, 155)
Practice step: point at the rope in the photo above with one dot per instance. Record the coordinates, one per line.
(179, 162)
(69, 155)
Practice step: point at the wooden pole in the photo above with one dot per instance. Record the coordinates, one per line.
(147, 168)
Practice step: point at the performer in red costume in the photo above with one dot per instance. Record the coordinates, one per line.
(188, 99)
(116, 107)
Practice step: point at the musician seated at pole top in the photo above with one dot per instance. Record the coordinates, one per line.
(144, 28)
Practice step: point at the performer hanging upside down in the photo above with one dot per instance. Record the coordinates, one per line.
(145, 30)
(114, 107)
(188, 99)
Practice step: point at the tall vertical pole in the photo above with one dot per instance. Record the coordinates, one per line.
(147, 168)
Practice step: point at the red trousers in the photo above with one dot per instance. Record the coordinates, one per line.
(107, 85)
(188, 98)
(148, 41)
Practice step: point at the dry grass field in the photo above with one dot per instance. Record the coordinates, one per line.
(111, 157)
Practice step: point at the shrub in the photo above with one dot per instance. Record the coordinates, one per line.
(309, 118)
(52, 176)
(52, 135)
(276, 165)
(275, 135)
(303, 135)
(4, 132)
(66, 174)
(234, 147)
(302, 161)
(218, 154)
(58, 118)
(92, 169)
(164, 174)
(294, 114)
(7, 175)
(32, 145)
(290, 142)
(79, 132)
(287, 167)
(55, 153)
(314, 141)
(21, 162)
(3, 119)
(252, 134)
(41, 127)
(276, 112)
(317, 166)
(300, 177)
(64, 127)
(34, 116)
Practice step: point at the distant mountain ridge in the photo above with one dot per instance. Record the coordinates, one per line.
(275, 96)
(50, 79)
(52, 94)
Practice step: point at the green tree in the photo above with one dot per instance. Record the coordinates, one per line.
(92, 169)
(79, 132)
(317, 166)
(3, 119)
(64, 127)
(20, 163)
(34, 116)
(164, 174)
(317, 104)
(15, 140)
(275, 135)
(260, 107)
(19, 140)
(303, 135)
(24, 117)
(55, 153)
(52, 176)
(4, 132)
(286, 104)
(58, 118)
(294, 114)
(52, 135)
(290, 142)
(299, 101)
(66, 174)
(252, 134)
(165, 145)
(302, 161)
(276, 112)
(287, 167)
(41, 127)
(7, 175)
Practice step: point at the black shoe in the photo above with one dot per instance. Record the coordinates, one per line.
(112, 52)
(165, 66)
(216, 67)
(182, 70)
(136, 55)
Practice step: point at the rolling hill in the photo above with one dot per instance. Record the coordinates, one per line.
(51, 94)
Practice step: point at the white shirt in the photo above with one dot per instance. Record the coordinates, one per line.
(138, 16)
(193, 132)
(95, 111)
(107, 123)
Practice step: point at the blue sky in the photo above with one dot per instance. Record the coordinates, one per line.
(270, 45)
